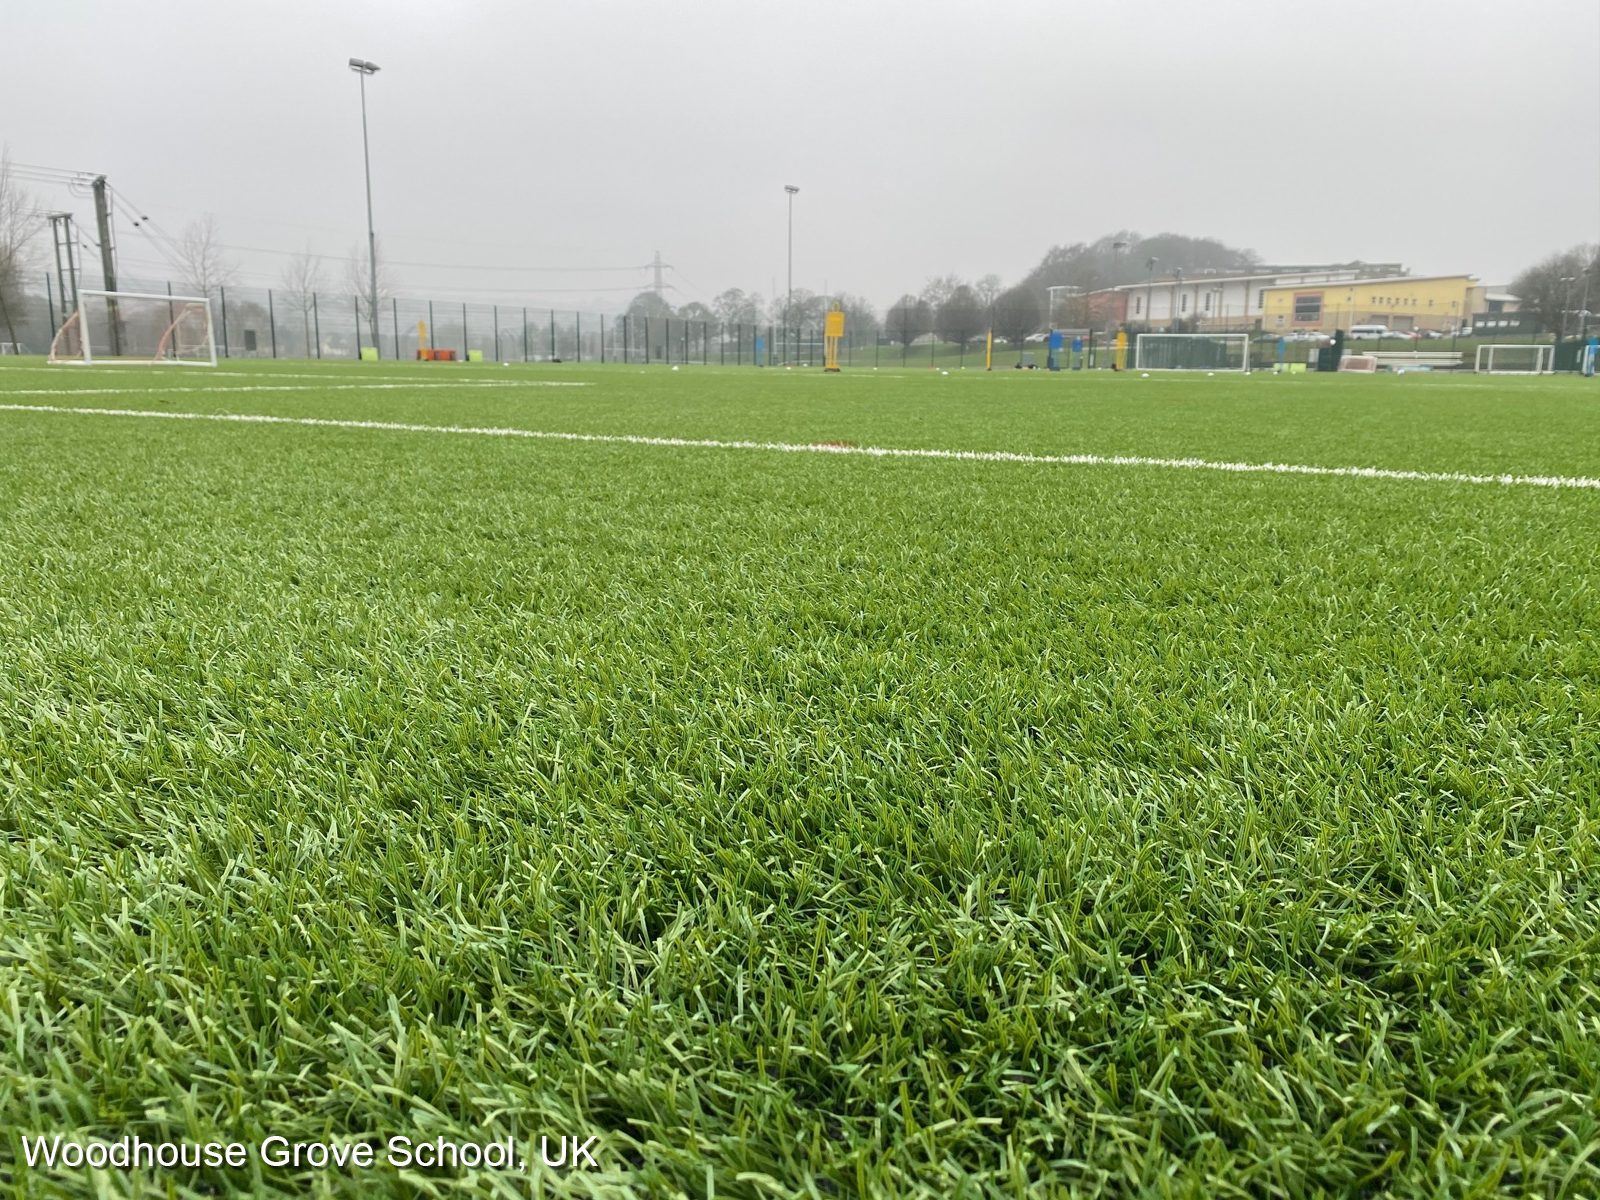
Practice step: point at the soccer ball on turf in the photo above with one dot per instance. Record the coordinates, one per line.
(1144, 375)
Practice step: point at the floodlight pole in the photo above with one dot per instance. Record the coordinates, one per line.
(788, 298)
(363, 68)
(1566, 302)
(1150, 291)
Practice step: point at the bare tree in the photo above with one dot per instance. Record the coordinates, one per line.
(860, 318)
(738, 307)
(1554, 287)
(938, 289)
(205, 266)
(302, 278)
(359, 282)
(908, 319)
(1018, 314)
(19, 226)
(961, 317)
(988, 289)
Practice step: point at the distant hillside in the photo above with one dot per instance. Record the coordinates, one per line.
(1101, 264)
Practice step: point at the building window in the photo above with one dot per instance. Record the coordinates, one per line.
(1208, 301)
(1261, 298)
(1138, 305)
(1183, 305)
(1308, 307)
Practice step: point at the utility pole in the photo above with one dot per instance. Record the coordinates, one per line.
(788, 298)
(108, 259)
(65, 239)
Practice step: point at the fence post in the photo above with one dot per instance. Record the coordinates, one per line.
(355, 303)
(524, 333)
(316, 323)
(272, 324)
(577, 333)
(50, 304)
(222, 294)
(647, 341)
(497, 333)
(394, 319)
(552, 333)
(433, 336)
(626, 357)
(602, 337)
(463, 330)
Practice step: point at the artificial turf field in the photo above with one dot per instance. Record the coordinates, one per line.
(804, 823)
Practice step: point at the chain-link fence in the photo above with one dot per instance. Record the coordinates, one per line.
(276, 323)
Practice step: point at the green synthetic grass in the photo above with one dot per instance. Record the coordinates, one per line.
(803, 824)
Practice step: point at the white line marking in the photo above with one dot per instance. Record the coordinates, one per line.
(286, 387)
(1005, 456)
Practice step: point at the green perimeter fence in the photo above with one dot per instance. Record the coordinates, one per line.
(276, 323)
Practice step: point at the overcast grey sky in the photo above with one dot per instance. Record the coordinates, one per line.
(926, 136)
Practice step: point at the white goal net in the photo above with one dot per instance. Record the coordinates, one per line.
(137, 327)
(1515, 360)
(1192, 352)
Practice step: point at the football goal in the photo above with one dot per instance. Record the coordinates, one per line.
(1515, 360)
(1192, 352)
(137, 327)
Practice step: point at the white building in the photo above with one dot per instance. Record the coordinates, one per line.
(1216, 300)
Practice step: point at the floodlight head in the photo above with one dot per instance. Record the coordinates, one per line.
(363, 67)
(790, 188)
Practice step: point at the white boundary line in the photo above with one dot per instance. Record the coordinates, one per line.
(1581, 482)
(286, 387)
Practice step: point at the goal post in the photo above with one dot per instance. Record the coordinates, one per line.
(139, 328)
(1507, 359)
(1192, 352)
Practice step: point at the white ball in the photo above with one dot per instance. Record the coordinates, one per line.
(1144, 375)
(505, 364)
(674, 368)
(1400, 371)
(1209, 374)
(944, 372)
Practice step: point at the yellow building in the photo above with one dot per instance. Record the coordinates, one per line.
(1402, 302)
